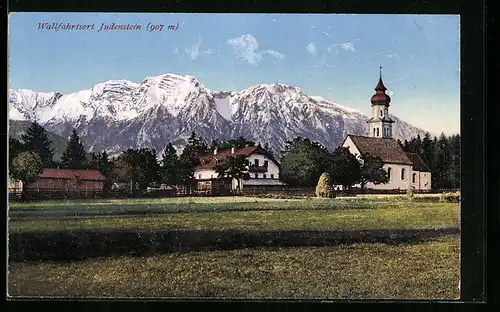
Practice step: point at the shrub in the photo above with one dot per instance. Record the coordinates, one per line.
(450, 197)
(324, 188)
(410, 194)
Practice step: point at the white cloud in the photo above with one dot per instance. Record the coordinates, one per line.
(194, 52)
(393, 56)
(276, 54)
(345, 46)
(311, 48)
(247, 48)
(176, 50)
(348, 47)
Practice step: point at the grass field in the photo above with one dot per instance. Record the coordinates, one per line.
(235, 247)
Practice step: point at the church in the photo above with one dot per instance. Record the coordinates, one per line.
(405, 170)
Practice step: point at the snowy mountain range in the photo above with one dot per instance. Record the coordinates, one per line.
(118, 114)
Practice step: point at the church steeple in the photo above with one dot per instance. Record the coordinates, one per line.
(380, 123)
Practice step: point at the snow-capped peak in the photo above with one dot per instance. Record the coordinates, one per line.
(118, 114)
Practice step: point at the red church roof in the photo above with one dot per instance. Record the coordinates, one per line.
(85, 175)
(387, 149)
(418, 163)
(380, 98)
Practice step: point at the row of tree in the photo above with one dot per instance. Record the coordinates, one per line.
(441, 155)
(138, 167)
(302, 161)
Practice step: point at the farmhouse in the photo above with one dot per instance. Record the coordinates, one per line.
(262, 171)
(405, 170)
(68, 180)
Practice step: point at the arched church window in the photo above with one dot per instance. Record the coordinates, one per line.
(389, 173)
(377, 132)
(403, 173)
(380, 113)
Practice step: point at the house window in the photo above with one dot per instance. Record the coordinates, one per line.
(378, 133)
(199, 176)
(211, 176)
(256, 162)
(256, 175)
(272, 176)
(389, 173)
(403, 174)
(264, 176)
(266, 163)
(414, 178)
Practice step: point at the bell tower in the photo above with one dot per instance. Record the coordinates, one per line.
(380, 123)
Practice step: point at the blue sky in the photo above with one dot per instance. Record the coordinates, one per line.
(333, 56)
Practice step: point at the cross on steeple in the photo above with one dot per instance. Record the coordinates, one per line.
(380, 72)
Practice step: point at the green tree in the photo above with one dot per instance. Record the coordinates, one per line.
(240, 142)
(26, 167)
(15, 147)
(170, 166)
(127, 169)
(234, 167)
(190, 159)
(345, 169)
(149, 167)
(324, 188)
(455, 164)
(443, 161)
(74, 157)
(303, 162)
(35, 139)
(101, 162)
(427, 150)
(372, 171)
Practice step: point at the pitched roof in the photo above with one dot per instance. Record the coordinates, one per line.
(388, 150)
(208, 161)
(418, 163)
(89, 175)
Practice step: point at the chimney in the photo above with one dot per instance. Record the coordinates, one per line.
(232, 150)
(215, 151)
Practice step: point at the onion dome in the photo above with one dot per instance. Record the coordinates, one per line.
(380, 98)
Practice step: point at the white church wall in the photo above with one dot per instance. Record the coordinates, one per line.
(422, 180)
(352, 147)
(396, 181)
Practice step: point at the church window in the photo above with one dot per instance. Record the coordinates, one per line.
(414, 178)
(389, 173)
(378, 132)
(380, 113)
(403, 173)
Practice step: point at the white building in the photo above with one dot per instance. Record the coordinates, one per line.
(405, 170)
(263, 168)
